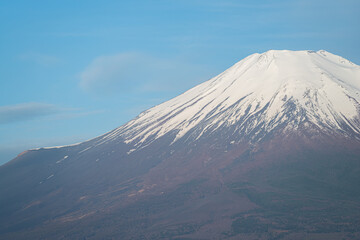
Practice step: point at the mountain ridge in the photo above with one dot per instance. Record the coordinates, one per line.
(344, 117)
(329, 103)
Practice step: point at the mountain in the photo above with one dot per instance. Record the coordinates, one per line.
(268, 149)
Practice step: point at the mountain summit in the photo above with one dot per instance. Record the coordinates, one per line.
(291, 89)
(268, 149)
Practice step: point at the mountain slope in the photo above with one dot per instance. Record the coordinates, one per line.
(315, 87)
(269, 149)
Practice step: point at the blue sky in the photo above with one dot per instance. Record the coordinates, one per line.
(72, 70)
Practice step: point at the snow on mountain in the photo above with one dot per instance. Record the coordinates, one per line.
(271, 140)
(296, 87)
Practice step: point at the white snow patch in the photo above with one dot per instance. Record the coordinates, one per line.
(52, 175)
(70, 145)
(85, 149)
(59, 161)
(130, 151)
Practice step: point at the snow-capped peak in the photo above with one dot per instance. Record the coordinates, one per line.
(276, 86)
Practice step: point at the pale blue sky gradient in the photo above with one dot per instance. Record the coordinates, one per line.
(72, 70)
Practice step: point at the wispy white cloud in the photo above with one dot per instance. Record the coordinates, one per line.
(34, 110)
(25, 111)
(128, 72)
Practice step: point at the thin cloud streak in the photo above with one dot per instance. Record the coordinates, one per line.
(139, 73)
(26, 111)
(33, 110)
